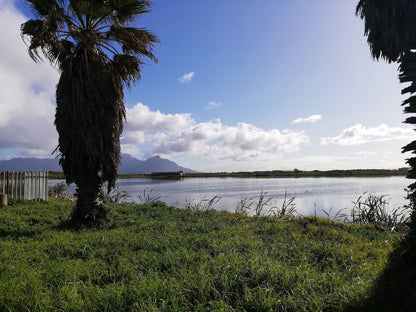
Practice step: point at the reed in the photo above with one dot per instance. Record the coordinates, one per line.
(115, 196)
(60, 190)
(267, 206)
(147, 197)
(374, 209)
(204, 204)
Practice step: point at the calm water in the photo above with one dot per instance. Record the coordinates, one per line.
(312, 194)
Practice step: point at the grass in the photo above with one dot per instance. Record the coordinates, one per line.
(151, 257)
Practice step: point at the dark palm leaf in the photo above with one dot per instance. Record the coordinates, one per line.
(391, 34)
(43, 7)
(127, 67)
(134, 40)
(127, 11)
(389, 26)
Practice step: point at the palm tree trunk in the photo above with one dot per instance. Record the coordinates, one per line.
(89, 208)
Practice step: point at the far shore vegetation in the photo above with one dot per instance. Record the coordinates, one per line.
(268, 174)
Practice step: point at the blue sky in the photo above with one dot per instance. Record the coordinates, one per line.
(240, 85)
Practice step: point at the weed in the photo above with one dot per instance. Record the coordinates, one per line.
(287, 208)
(146, 197)
(115, 196)
(60, 190)
(204, 204)
(339, 215)
(373, 209)
(244, 206)
(267, 206)
(263, 204)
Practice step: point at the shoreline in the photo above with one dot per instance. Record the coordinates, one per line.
(267, 174)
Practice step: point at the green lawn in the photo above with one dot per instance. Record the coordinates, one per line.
(159, 258)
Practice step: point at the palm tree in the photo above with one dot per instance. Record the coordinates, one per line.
(391, 34)
(97, 52)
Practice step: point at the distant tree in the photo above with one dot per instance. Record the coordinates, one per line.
(390, 27)
(97, 50)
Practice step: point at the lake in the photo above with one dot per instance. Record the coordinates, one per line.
(312, 195)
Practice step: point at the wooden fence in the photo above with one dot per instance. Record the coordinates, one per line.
(24, 185)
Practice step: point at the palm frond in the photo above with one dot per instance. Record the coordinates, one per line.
(127, 11)
(389, 26)
(43, 8)
(127, 67)
(136, 41)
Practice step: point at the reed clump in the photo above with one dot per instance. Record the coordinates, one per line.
(266, 205)
(374, 209)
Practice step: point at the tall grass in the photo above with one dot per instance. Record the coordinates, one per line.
(115, 196)
(374, 209)
(267, 206)
(204, 204)
(287, 207)
(60, 190)
(147, 197)
(367, 209)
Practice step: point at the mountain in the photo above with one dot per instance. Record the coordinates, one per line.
(128, 164)
(30, 164)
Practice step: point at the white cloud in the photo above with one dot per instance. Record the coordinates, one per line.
(364, 154)
(27, 92)
(130, 149)
(359, 134)
(186, 78)
(213, 105)
(141, 118)
(310, 119)
(181, 134)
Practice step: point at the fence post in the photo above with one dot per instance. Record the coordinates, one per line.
(21, 176)
(2, 181)
(12, 180)
(46, 185)
(7, 183)
(3, 200)
(27, 185)
(3, 195)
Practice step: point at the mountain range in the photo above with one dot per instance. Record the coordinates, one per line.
(128, 164)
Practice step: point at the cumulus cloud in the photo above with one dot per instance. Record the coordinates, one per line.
(310, 119)
(181, 134)
(141, 118)
(186, 78)
(359, 134)
(27, 92)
